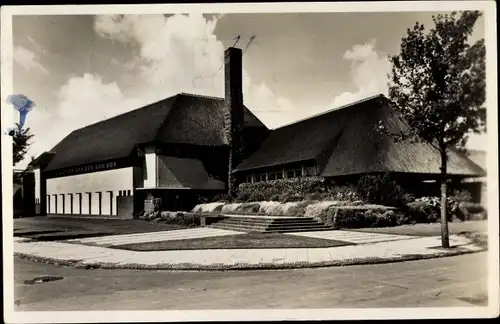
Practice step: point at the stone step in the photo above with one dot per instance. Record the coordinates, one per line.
(294, 230)
(247, 222)
(239, 228)
(259, 217)
(264, 224)
(297, 225)
(267, 220)
(267, 230)
(268, 224)
(305, 227)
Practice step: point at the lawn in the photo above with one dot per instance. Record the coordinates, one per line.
(64, 228)
(432, 229)
(239, 241)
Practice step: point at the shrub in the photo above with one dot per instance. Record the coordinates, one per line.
(226, 198)
(434, 203)
(180, 218)
(367, 217)
(297, 209)
(212, 208)
(248, 208)
(382, 190)
(350, 218)
(346, 192)
(318, 209)
(472, 208)
(421, 211)
(284, 190)
(473, 211)
(230, 208)
(461, 196)
(271, 208)
(294, 190)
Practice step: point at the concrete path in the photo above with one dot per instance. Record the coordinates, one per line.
(114, 240)
(354, 237)
(95, 256)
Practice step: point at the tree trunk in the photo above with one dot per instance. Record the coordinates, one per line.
(445, 240)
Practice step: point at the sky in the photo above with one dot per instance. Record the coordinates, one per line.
(83, 69)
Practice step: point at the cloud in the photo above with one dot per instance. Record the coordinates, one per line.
(368, 73)
(179, 53)
(81, 101)
(28, 60)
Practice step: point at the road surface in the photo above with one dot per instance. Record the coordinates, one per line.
(451, 281)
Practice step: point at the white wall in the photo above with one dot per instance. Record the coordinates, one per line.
(104, 181)
(151, 168)
(76, 204)
(37, 184)
(106, 203)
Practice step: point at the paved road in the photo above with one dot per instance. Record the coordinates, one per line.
(434, 282)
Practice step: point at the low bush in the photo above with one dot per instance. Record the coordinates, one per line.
(362, 217)
(180, 218)
(295, 190)
(420, 211)
(211, 208)
(272, 208)
(230, 208)
(147, 216)
(318, 209)
(381, 189)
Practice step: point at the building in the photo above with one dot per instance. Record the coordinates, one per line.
(24, 193)
(477, 186)
(344, 144)
(176, 149)
(190, 146)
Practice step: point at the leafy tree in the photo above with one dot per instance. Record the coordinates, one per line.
(20, 143)
(438, 85)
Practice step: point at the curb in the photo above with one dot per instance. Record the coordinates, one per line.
(242, 266)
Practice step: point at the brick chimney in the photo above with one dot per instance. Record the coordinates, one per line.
(233, 112)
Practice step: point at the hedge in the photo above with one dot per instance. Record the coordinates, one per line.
(294, 189)
(173, 218)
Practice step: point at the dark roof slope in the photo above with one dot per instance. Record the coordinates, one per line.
(478, 157)
(357, 147)
(305, 139)
(362, 149)
(183, 118)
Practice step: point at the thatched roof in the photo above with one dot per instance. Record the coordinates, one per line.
(183, 118)
(478, 157)
(184, 173)
(348, 135)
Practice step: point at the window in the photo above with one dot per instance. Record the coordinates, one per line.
(310, 171)
(272, 175)
(119, 193)
(248, 178)
(129, 193)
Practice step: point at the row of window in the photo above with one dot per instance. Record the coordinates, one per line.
(276, 175)
(88, 168)
(92, 203)
(125, 193)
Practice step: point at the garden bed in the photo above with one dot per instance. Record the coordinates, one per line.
(239, 241)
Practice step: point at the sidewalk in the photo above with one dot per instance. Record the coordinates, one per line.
(370, 252)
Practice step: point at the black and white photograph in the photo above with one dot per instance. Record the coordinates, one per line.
(264, 161)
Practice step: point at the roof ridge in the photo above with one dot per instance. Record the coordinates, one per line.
(380, 95)
(201, 96)
(125, 113)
